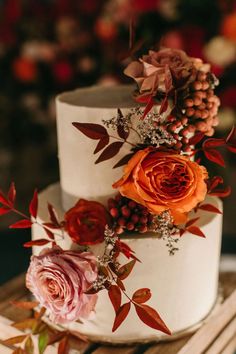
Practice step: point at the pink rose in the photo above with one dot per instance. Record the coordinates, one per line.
(58, 279)
(161, 72)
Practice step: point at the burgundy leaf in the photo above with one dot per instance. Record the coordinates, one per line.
(102, 143)
(214, 182)
(110, 151)
(51, 226)
(49, 233)
(213, 142)
(196, 231)
(191, 222)
(141, 295)
(115, 296)
(63, 347)
(4, 210)
(124, 248)
(231, 148)
(126, 269)
(151, 318)
(210, 207)
(222, 193)
(181, 232)
(123, 134)
(3, 200)
(231, 134)
(164, 105)
(22, 224)
(120, 284)
(215, 156)
(39, 242)
(91, 130)
(121, 315)
(53, 215)
(33, 207)
(124, 160)
(12, 193)
(148, 107)
(196, 138)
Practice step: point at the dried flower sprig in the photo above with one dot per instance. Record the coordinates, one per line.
(163, 226)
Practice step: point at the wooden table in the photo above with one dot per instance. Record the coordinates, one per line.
(216, 336)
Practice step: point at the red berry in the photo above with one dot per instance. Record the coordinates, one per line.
(143, 228)
(121, 221)
(114, 212)
(135, 218)
(125, 211)
(130, 226)
(132, 204)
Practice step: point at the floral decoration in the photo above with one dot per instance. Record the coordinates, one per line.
(163, 184)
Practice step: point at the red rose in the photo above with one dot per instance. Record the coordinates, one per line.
(86, 221)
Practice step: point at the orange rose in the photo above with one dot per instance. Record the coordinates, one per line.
(86, 221)
(164, 181)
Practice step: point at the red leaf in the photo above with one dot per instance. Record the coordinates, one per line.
(63, 347)
(210, 207)
(214, 182)
(196, 138)
(4, 210)
(91, 130)
(121, 315)
(191, 222)
(22, 224)
(141, 295)
(51, 226)
(196, 231)
(215, 156)
(3, 200)
(115, 296)
(151, 318)
(39, 242)
(110, 151)
(231, 148)
(49, 233)
(102, 143)
(212, 142)
(164, 105)
(231, 135)
(222, 193)
(126, 269)
(124, 160)
(120, 284)
(12, 193)
(53, 215)
(33, 207)
(124, 248)
(148, 107)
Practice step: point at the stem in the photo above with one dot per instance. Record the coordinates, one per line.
(125, 141)
(37, 223)
(131, 128)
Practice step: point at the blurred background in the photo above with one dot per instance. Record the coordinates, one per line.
(49, 46)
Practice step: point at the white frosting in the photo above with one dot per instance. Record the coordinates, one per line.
(184, 286)
(79, 176)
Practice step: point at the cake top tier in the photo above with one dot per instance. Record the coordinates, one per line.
(100, 97)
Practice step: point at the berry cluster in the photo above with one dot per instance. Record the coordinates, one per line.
(195, 111)
(129, 215)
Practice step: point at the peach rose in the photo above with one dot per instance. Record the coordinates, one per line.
(153, 71)
(164, 181)
(58, 279)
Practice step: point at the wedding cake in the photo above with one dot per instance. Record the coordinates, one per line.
(184, 285)
(126, 246)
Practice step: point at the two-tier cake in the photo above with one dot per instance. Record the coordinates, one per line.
(126, 246)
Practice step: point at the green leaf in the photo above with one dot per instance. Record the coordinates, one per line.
(43, 342)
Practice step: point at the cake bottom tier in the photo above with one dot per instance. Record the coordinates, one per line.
(184, 286)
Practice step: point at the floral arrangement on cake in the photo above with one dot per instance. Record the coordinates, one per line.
(161, 188)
